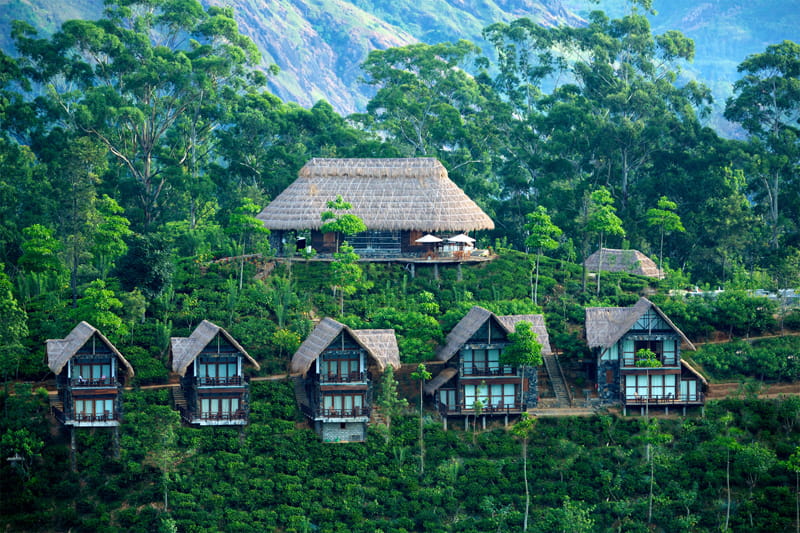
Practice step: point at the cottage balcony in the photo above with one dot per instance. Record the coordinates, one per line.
(231, 381)
(667, 401)
(106, 418)
(318, 413)
(502, 408)
(352, 377)
(101, 382)
(487, 370)
(215, 418)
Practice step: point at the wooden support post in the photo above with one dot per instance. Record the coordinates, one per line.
(506, 419)
(483, 422)
(641, 411)
(73, 464)
(413, 268)
(436, 272)
(444, 422)
(115, 444)
(624, 410)
(684, 410)
(460, 276)
(666, 410)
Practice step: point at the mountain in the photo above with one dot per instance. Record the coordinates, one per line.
(319, 44)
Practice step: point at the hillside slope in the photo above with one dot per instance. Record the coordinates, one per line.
(319, 44)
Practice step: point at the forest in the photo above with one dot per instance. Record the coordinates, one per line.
(136, 151)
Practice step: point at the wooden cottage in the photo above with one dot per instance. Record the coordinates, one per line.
(399, 200)
(473, 371)
(213, 388)
(617, 334)
(630, 261)
(90, 373)
(336, 367)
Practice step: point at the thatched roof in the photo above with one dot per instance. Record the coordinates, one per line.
(186, 349)
(630, 261)
(387, 194)
(380, 345)
(59, 351)
(606, 325)
(537, 326)
(476, 317)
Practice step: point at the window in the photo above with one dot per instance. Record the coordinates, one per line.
(341, 366)
(94, 409)
(92, 372)
(219, 408)
(496, 396)
(218, 370)
(348, 404)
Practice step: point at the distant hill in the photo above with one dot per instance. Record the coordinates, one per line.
(319, 44)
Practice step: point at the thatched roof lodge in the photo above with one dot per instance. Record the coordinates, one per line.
(399, 200)
(630, 261)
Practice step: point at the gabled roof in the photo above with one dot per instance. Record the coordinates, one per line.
(630, 261)
(606, 325)
(186, 349)
(476, 317)
(59, 351)
(380, 345)
(441, 378)
(387, 194)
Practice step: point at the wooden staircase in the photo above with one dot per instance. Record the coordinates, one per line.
(557, 381)
(178, 399)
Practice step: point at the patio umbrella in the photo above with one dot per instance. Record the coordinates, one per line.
(461, 238)
(428, 239)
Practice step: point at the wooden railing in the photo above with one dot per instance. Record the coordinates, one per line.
(352, 377)
(505, 408)
(319, 412)
(232, 381)
(475, 370)
(103, 381)
(680, 399)
(62, 417)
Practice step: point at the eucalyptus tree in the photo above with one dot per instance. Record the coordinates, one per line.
(766, 103)
(666, 220)
(628, 78)
(144, 81)
(602, 221)
(542, 235)
(428, 104)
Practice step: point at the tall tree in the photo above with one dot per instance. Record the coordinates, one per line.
(542, 234)
(602, 221)
(523, 351)
(390, 403)
(131, 79)
(667, 220)
(766, 103)
(13, 328)
(421, 375)
(337, 221)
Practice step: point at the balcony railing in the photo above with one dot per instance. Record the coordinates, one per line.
(680, 399)
(64, 418)
(485, 370)
(344, 413)
(232, 381)
(193, 416)
(103, 381)
(497, 409)
(352, 377)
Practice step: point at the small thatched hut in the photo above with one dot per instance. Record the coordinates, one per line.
(630, 261)
(399, 200)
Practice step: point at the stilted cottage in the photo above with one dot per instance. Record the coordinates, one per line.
(214, 390)
(621, 337)
(630, 261)
(399, 200)
(90, 373)
(473, 371)
(337, 366)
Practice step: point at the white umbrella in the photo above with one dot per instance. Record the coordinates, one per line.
(428, 239)
(465, 239)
